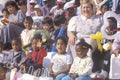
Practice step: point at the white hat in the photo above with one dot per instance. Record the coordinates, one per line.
(63, 1)
(33, 1)
(37, 6)
(68, 5)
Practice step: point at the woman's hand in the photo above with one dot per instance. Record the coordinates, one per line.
(73, 75)
(71, 40)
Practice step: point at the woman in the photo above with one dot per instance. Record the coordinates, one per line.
(83, 25)
(14, 26)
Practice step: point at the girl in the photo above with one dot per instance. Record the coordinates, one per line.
(82, 64)
(28, 33)
(35, 57)
(61, 62)
(16, 57)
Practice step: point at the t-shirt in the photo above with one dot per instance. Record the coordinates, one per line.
(61, 61)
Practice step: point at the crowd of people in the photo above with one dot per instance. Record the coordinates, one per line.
(30, 29)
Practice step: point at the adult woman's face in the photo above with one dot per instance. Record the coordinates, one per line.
(11, 9)
(87, 10)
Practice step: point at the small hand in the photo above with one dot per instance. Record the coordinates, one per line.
(73, 75)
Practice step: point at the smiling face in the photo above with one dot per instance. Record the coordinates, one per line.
(60, 46)
(87, 9)
(11, 9)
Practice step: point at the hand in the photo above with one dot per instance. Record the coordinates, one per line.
(56, 73)
(71, 40)
(73, 75)
(50, 72)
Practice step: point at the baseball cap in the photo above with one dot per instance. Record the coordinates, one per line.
(33, 2)
(37, 6)
(60, 1)
(68, 5)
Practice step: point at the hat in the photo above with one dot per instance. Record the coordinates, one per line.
(61, 1)
(33, 1)
(37, 6)
(68, 5)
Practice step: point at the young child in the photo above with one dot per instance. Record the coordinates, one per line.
(28, 33)
(35, 57)
(58, 8)
(48, 26)
(16, 56)
(60, 23)
(5, 15)
(61, 62)
(3, 55)
(37, 18)
(82, 64)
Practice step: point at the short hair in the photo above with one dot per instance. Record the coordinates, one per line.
(17, 40)
(84, 44)
(59, 19)
(47, 20)
(29, 19)
(37, 36)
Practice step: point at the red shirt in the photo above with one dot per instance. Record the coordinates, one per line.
(41, 53)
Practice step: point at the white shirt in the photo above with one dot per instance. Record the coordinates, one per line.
(61, 61)
(82, 66)
(26, 36)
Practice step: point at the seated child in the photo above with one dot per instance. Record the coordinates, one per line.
(35, 57)
(61, 61)
(16, 56)
(82, 64)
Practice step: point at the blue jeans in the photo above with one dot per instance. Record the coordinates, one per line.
(60, 76)
(78, 78)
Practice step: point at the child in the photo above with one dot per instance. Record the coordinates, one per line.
(37, 18)
(5, 15)
(61, 62)
(16, 57)
(35, 57)
(48, 27)
(82, 64)
(3, 56)
(58, 8)
(60, 23)
(28, 33)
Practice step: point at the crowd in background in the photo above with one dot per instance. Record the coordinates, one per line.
(84, 34)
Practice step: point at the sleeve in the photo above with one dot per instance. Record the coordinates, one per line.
(23, 56)
(21, 15)
(88, 68)
(73, 67)
(116, 43)
(72, 24)
(69, 59)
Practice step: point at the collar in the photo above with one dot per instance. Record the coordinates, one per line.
(85, 18)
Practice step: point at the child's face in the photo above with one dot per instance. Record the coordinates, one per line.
(34, 44)
(80, 51)
(37, 11)
(16, 46)
(27, 24)
(60, 46)
(46, 27)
